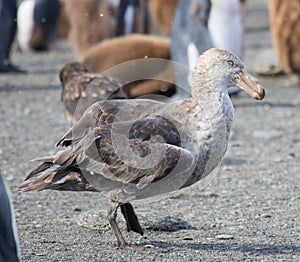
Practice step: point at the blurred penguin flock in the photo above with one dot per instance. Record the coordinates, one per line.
(106, 33)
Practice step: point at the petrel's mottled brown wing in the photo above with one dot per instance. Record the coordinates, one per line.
(103, 152)
(105, 113)
(81, 88)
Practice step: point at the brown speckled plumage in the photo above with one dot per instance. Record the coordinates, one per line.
(81, 88)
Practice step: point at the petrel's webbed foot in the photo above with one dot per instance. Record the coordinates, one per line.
(132, 222)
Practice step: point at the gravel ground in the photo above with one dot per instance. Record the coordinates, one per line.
(249, 211)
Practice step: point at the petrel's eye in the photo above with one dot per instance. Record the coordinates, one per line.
(231, 63)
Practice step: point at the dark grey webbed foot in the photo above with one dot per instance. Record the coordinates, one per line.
(131, 219)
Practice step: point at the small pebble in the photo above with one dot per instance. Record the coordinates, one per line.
(287, 251)
(149, 246)
(187, 238)
(26, 111)
(224, 222)
(265, 215)
(224, 237)
(295, 198)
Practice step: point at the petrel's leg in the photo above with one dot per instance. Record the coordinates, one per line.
(112, 215)
(132, 222)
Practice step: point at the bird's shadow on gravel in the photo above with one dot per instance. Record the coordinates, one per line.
(244, 248)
